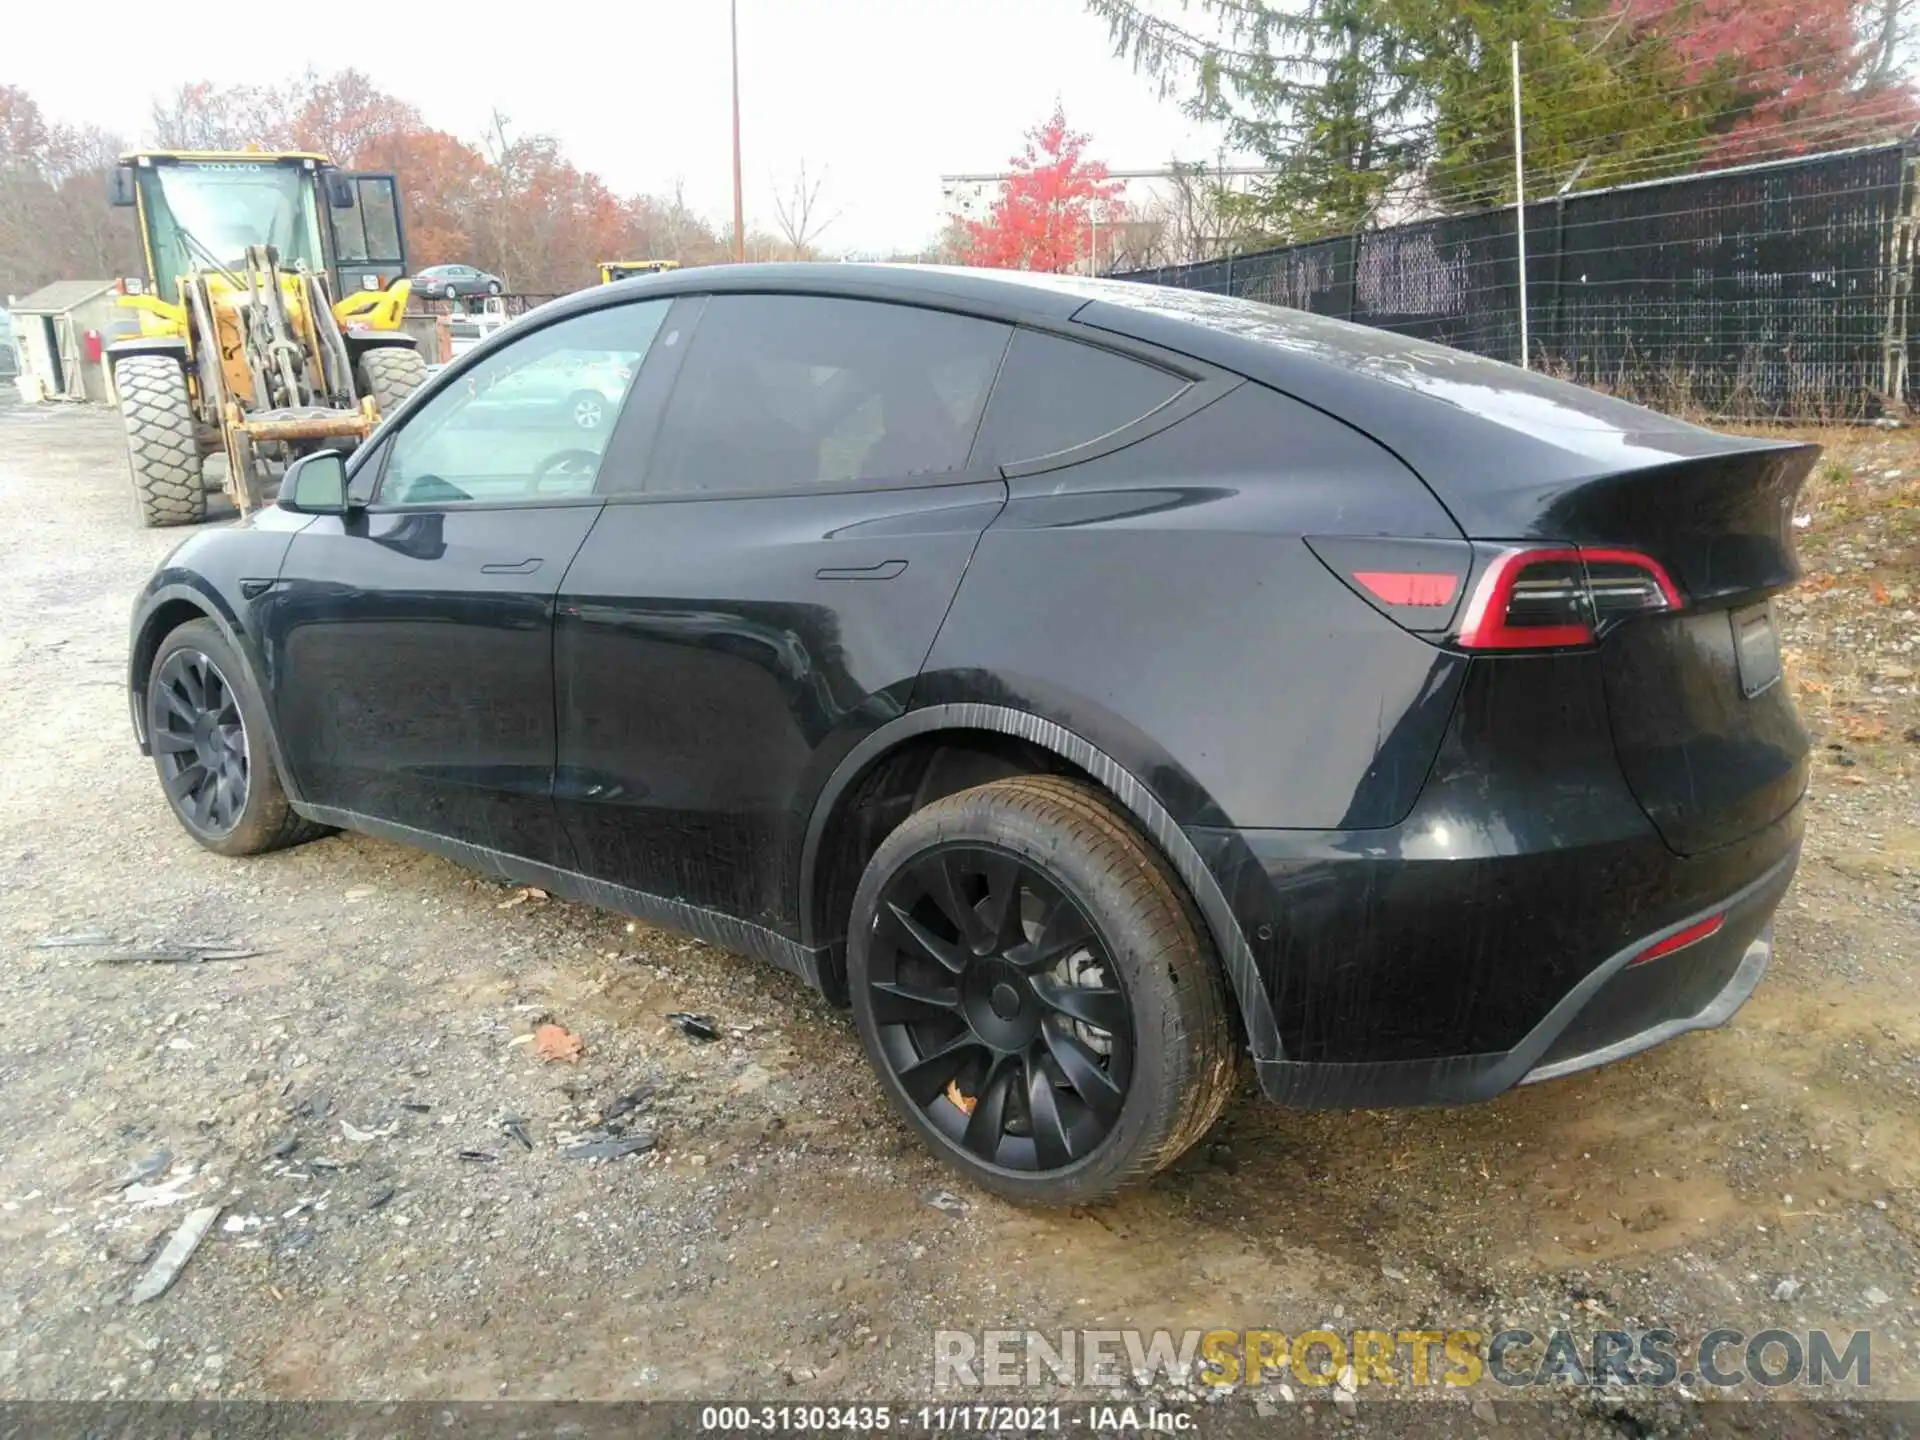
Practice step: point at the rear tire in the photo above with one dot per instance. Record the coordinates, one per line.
(493, 287)
(1084, 978)
(162, 454)
(207, 729)
(390, 375)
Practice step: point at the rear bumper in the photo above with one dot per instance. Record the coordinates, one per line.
(1409, 970)
(1570, 1055)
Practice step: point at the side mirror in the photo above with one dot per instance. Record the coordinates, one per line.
(339, 191)
(120, 185)
(316, 484)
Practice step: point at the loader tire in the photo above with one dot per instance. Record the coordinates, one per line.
(390, 375)
(161, 451)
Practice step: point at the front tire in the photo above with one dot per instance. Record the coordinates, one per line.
(162, 454)
(493, 287)
(207, 729)
(390, 375)
(1039, 1003)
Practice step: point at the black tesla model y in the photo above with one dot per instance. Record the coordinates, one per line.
(1089, 683)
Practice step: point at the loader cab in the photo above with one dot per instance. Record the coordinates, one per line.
(201, 210)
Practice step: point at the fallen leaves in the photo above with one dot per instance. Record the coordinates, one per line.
(556, 1042)
(522, 896)
(962, 1102)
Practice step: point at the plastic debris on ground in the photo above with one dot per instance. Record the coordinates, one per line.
(173, 1259)
(695, 1027)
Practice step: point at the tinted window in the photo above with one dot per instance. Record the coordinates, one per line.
(531, 421)
(1054, 394)
(783, 392)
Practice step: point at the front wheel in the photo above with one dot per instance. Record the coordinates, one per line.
(1039, 1003)
(162, 452)
(493, 287)
(207, 730)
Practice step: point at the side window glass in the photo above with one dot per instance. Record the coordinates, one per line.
(531, 421)
(1054, 394)
(786, 392)
(366, 473)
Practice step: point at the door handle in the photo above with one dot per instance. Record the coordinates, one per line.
(524, 567)
(885, 570)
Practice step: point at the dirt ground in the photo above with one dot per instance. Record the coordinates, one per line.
(782, 1239)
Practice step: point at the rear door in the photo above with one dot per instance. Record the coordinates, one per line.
(764, 592)
(411, 646)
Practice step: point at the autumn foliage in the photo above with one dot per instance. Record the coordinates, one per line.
(1797, 77)
(1048, 206)
(511, 204)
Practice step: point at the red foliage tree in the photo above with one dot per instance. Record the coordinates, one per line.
(1797, 74)
(1047, 208)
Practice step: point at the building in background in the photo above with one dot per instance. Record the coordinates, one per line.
(59, 332)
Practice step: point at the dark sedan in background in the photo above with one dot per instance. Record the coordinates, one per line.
(449, 282)
(1087, 682)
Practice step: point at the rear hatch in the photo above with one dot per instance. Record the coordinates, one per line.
(1702, 717)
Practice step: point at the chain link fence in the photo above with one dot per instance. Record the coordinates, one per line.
(1776, 290)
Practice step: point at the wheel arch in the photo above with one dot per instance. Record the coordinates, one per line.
(362, 342)
(834, 836)
(165, 347)
(166, 609)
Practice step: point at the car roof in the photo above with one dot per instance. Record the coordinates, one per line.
(1437, 408)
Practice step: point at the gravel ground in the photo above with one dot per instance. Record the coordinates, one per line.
(345, 1093)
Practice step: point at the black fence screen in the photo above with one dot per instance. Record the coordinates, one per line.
(1776, 289)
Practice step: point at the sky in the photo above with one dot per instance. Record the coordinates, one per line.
(882, 96)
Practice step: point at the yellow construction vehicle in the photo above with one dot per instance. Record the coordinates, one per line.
(612, 270)
(241, 338)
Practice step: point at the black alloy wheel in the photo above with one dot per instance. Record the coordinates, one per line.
(200, 742)
(212, 746)
(998, 1009)
(1037, 997)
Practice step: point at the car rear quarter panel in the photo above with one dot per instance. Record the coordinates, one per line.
(1161, 602)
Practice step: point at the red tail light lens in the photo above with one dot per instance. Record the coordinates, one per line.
(1680, 939)
(1419, 588)
(1547, 598)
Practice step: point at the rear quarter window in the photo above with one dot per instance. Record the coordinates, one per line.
(1055, 395)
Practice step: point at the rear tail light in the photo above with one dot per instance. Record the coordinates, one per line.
(1532, 599)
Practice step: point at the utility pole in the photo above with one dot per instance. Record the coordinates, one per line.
(739, 214)
(1520, 207)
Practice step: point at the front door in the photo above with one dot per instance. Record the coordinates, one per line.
(410, 646)
(764, 593)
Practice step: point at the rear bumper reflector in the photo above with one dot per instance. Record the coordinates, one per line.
(1680, 939)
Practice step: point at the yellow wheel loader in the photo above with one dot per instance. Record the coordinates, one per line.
(242, 339)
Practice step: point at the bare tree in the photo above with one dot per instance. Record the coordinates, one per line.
(798, 210)
(1137, 241)
(1890, 28)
